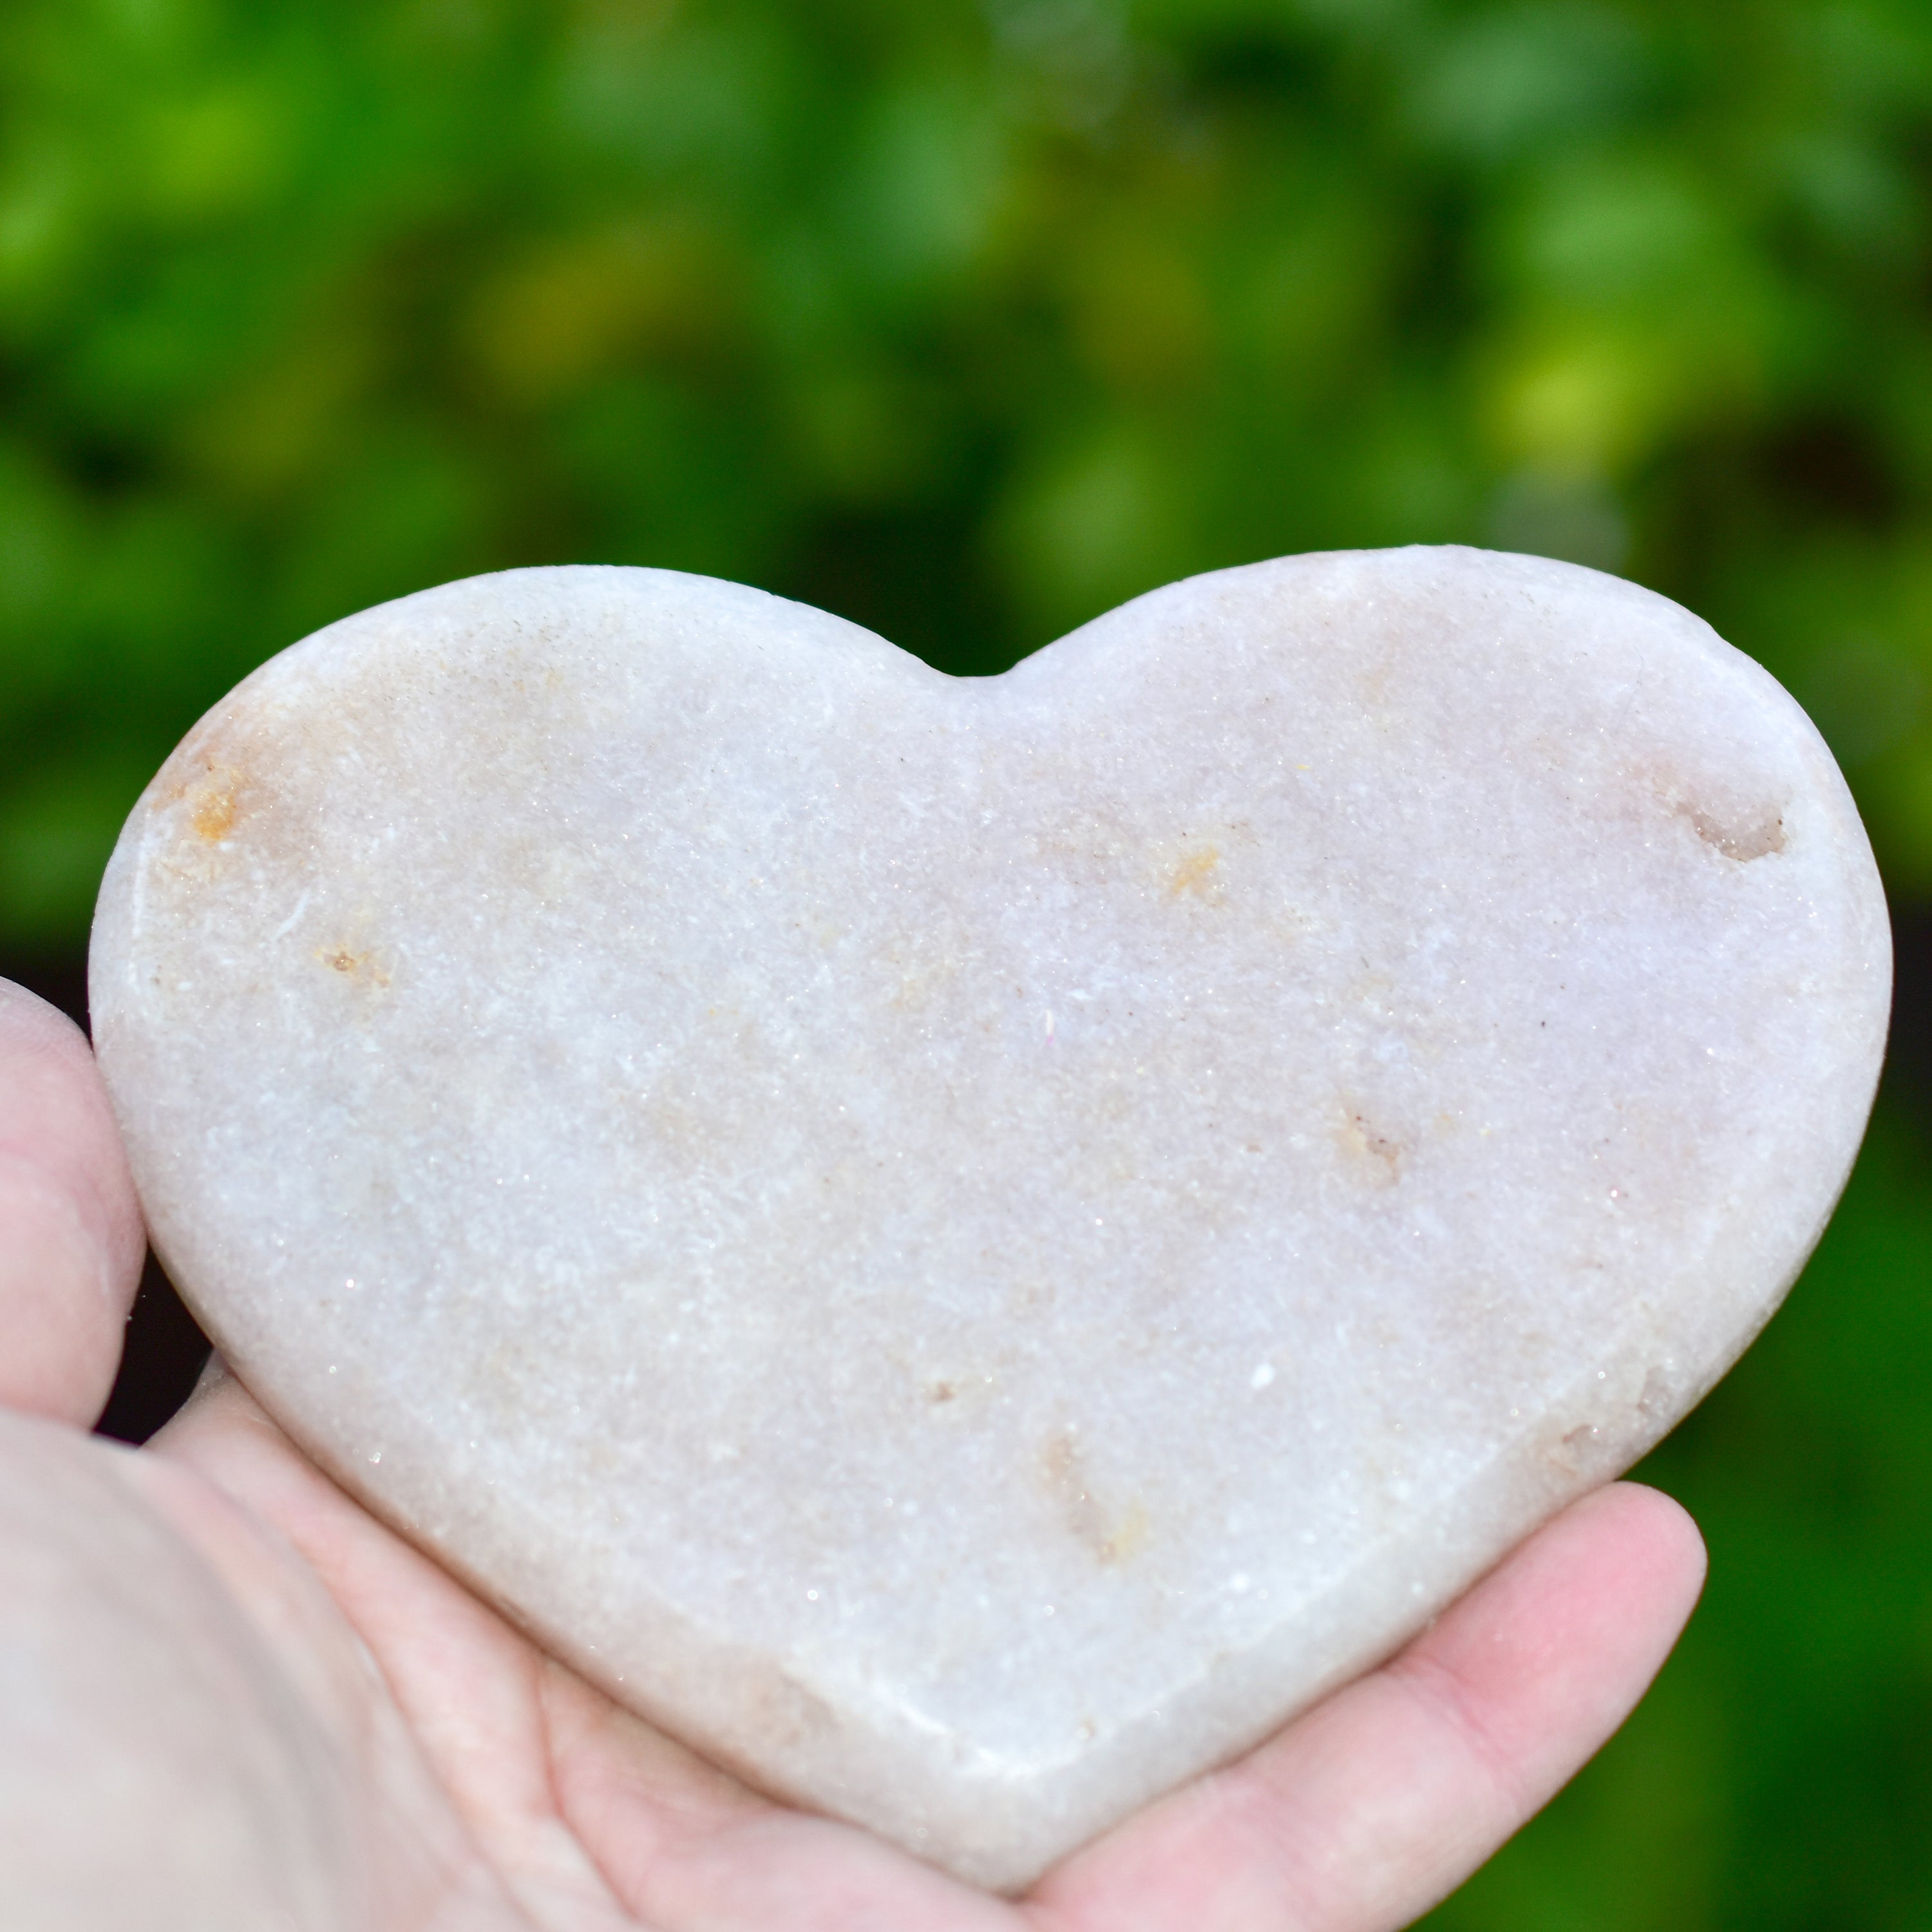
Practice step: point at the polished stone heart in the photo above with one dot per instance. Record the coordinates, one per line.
(971, 1246)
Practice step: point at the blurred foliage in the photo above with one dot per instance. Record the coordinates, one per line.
(968, 319)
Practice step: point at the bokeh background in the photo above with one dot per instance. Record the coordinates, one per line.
(967, 319)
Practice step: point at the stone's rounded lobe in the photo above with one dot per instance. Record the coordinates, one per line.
(971, 1247)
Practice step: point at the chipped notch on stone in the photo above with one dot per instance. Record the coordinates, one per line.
(1743, 839)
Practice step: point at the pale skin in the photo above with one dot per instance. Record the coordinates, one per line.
(213, 1631)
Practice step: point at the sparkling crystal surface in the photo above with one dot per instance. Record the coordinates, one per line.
(969, 1247)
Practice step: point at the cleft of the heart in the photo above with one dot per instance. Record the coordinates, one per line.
(969, 1247)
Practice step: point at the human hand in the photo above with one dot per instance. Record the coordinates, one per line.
(235, 1699)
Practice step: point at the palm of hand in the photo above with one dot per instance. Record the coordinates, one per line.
(471, 1784)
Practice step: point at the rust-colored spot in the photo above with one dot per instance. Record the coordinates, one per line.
(941, 1392)
(1195, 873)
(363, 966)
(1742, 842)
(1377, 1156)
(216, 803)
(1107, 1538)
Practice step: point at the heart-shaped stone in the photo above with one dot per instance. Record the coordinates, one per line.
(970, 1247)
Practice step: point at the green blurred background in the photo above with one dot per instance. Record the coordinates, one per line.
(966, 321)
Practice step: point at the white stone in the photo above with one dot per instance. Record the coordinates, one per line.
(971, 1247)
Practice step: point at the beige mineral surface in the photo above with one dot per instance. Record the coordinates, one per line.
(971, 1246)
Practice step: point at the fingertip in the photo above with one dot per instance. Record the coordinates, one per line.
(1667, 1530)
(1547, 1655)
(1628, 1555)
(71, 1239)
(1374, 1804)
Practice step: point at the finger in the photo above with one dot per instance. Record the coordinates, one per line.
(71, 1241)
(456, 1743)
(465, 1683)
(1364, 1813)
(168, 1758)
(691, 1850)
(563, 1787)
